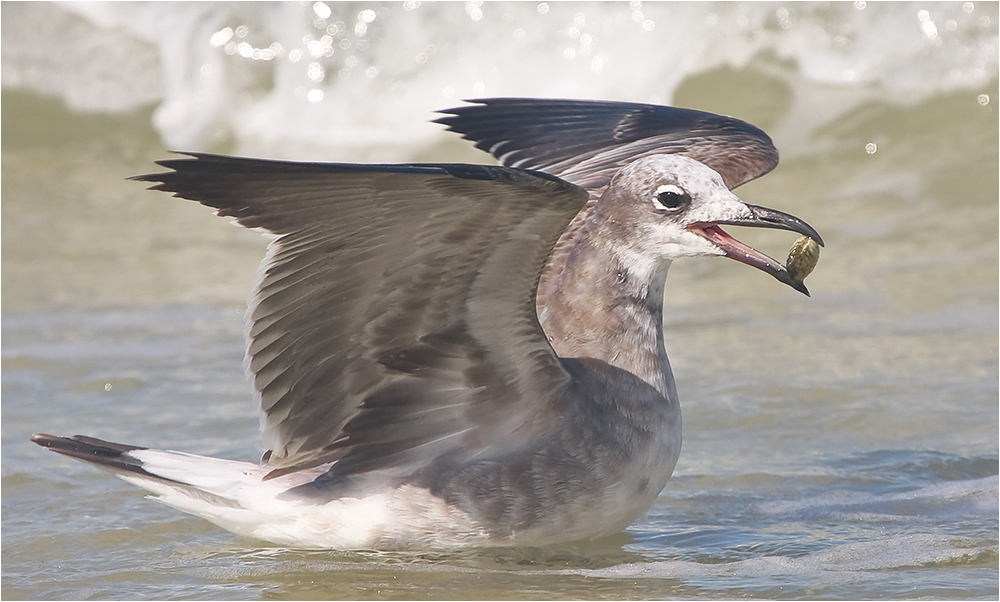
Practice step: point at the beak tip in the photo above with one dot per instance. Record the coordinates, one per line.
(796, 284)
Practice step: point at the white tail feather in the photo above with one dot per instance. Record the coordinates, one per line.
(235, 496)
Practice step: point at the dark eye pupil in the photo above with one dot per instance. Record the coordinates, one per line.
(671, 199)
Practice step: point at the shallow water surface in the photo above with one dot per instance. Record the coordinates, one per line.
(842, 446)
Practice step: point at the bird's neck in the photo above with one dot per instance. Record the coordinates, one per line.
(599, 300)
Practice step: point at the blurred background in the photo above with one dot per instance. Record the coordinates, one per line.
(842, 446)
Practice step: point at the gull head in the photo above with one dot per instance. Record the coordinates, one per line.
(664, 207)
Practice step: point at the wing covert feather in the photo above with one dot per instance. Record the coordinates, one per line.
(585, 142)
(394, 317)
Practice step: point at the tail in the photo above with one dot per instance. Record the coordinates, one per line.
(235, 495)
(104, 453)
(225, 492)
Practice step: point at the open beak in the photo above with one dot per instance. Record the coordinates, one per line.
(761, 217)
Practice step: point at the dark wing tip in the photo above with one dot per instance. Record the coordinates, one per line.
(81, 442)
(500, 100)
(171, 164)
(263, 192)
(556, 134)
(91, 449)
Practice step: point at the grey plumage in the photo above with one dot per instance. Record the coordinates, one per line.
(488, 336)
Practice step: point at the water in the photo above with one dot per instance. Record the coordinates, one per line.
(843, 446)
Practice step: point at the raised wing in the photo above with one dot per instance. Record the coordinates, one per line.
(394, 318)
(586, 142)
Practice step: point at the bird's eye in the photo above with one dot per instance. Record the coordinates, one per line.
(671, 197)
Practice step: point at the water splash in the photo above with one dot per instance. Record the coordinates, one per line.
(337, 80)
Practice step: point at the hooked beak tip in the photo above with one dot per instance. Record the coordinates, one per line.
(764, 217)
(797, 285)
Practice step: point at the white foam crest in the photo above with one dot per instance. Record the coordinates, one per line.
(859, 562)
(359, 81)
(952, 498)
(845, 563)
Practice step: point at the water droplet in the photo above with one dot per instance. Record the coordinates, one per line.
(222, 36)
(322, 10)
(316, 72)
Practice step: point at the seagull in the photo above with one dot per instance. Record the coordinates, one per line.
(456, 355)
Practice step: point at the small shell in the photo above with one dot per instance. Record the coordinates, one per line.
(802, 258)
